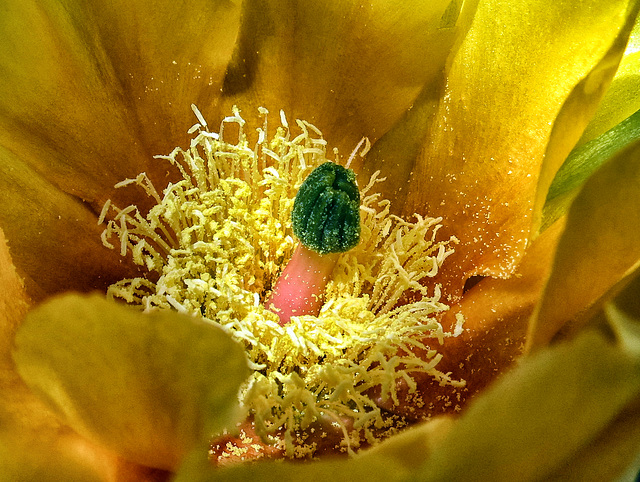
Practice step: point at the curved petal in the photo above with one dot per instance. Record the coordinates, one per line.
(121, 378)
(14, 301)
(65, 456)
(609, 454)
(18, 407)
(535, 423)
(623, 97)
(33, 443)
(52, 234)
(87, 101)
(383, 468)
(542, 415)
(104, 86)
(506, 86)
(20, 460)
(351, 68)
(583, 161)
(575, 114)
(597, 251)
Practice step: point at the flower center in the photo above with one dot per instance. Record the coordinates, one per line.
(326, 220)
(217, 241)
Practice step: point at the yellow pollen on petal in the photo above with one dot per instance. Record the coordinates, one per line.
(217, 240)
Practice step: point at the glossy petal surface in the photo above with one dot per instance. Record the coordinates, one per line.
(89, 92)
(576, 112)
(351, 68)
(623, 96)
(506, 87)
(583, 161)
(598, 249)
(122, 378)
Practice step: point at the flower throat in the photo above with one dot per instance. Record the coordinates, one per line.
(217, 240)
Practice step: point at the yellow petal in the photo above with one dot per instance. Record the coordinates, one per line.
(351, 68)
(536, 419)
(33, 443)
(535, 423)
(85, 103)
(18, 407)
(575, 114)
(598, 249)
(65, 456)
(21, 460)
(382, 468)
(14, 301)
(479, 168)
(623, 97)
(90, 92)
(609, 454)
(411, 447)
(583, 161)
(122, 378)
(53, 237)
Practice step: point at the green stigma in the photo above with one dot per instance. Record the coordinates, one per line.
(326, 211)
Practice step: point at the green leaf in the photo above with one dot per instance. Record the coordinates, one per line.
(583, 162)
(148, 386)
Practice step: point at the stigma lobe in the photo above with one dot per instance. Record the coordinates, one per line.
(326, 211)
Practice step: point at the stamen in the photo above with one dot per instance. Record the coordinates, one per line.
(367, 146)
(217, 240)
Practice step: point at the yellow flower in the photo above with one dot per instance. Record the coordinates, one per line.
(471, 108)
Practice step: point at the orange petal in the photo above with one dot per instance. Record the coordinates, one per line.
(479, 167)
(351, 68)
(53, 237)
(496, 313)
(103, 87)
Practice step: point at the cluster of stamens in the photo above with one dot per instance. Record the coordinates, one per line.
(218, 240)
